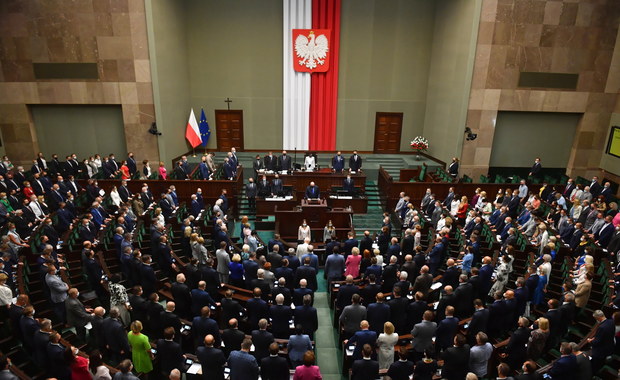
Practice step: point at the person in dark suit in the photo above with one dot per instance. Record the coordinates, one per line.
(313, 191)
(308, 273)
(355, 162)
(536, 168)
(147, 275)
(232, 337)
(603, 340)
(56, 355)
(280, 317)
(95, 336)
(398, 311)
(277, 186)
(306, 317)
(456, 359)
(529, 371)
(200, 298)
(153, 312)
(284, 162)
(566, 366)
(261, 283)
(203, 325)
(516, 350)
(453, 169)
(567, 310)
(256, 309)
(168, 318)
(211, 359)
(40, 340)
(361, 338)
(423, 282)
(230, 170)
(274, 367)
(270, 162)
(301, 292)
(251, 190)
(281, 288)
(497, 312)
(365, 368)
(170, 353)
(230, 307)
(378, 313)
(77, 315)
(446, 330)
(262, 339)
(182, 298)
(451, 274)
(479, 321)
(348, 184)
(243, 366)
(338, 163)
(447, 299)
(403, 368)
(416, 310)
(114, 336)
(370, 291)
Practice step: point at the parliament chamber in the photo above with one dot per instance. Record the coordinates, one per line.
(363, 189)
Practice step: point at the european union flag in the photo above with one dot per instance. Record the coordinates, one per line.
(205, 132)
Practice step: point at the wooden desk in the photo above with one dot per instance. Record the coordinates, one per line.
(265, 206)
(323, 178)
(359, 204)
(316, 215)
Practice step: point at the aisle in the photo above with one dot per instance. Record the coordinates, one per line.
(328, 355)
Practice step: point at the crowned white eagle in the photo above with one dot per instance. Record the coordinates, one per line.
(311, 51)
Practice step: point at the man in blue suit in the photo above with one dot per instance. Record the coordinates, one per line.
(114, 336)
(201, 298)
(312, 191)
(243, 366)
(349, 244)
(195, 206)
(338, 163)
(203, 325)
(446, 330)
(360, 338)
(378, 313)
(485, 274)
(603, 341)
(566, 366)
(204, 168)
(229, 169)
(56, 356)
(434, 256)
(349, 184)
(604, 234)
(65, 218)
(306, 316)
(256, 308)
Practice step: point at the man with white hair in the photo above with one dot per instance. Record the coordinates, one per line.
(302, 249)
(217, 207)
(280, 316)
(175, 374)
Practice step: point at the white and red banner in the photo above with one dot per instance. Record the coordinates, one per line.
(311, 50)
(192, 132)
(311, 38)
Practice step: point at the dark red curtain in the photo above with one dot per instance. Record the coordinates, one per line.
(324, 89)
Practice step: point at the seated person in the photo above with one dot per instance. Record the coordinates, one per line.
(310, 162)
(312, 191)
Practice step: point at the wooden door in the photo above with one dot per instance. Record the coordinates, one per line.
(388, 127)
(229, 129)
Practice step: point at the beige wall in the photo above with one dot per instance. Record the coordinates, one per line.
(169, 55)
(543, 36)
(385, 52)
(231, 54)
(452, 60)
(110, 33)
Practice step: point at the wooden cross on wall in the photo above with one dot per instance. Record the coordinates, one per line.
(228, 101)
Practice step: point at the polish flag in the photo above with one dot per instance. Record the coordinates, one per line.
(192, 132)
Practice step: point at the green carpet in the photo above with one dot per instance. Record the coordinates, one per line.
(328, 354)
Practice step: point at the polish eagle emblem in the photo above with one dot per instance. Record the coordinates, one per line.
(311, 50)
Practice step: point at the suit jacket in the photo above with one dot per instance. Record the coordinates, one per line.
(423, 333)
(212, 361)
(243, 366)
(464, 295)
(456, 363)
(199, 299)
(40, 341)
(309, 273)
(256, 308)
(355, 163)
(280, 317)
(363, 369)
(114, 335)
(351, 317)
(202, 327)
(307, 317)
(261, 340)
(232, 339)
(58, 365)
(478, 323)
(451, 277)
(423, 283)
(516, 348)
(76, 315)
(28, 327)
(582, 294)
(284, 162)
(398, 313)
(564, 368)
(274, 368)
(171, 355)
(603, 343)
(58, 289)
(446, 330)
(360, 338)
(182, 298)
(313, 192)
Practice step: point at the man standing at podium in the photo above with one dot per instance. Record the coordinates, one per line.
(271, 162)
(338, 163)
(312, 191)
(349, 185)
(277, 188)
(355, 162)
(264, 188)
(285, 161)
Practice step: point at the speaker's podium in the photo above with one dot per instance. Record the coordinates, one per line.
(317, 214)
